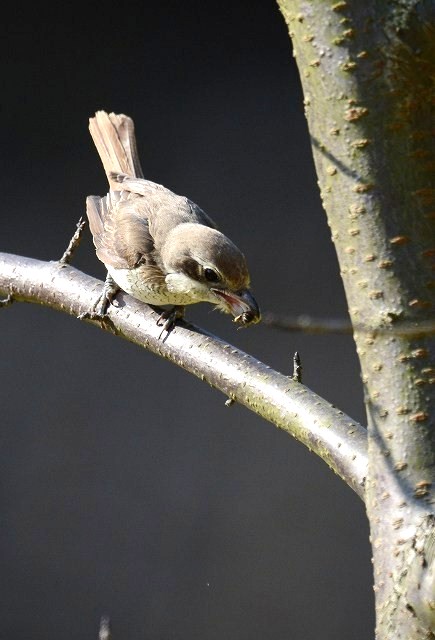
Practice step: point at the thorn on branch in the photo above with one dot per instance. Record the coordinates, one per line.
(297, 368)
(229, 402)
(104, 631)
(73, 243)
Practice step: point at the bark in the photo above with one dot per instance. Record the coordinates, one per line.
(367, 72)
(336, 438)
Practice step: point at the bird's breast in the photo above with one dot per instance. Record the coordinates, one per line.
(135, 283)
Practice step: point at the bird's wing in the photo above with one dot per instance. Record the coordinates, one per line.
(184, 210)
(119, 227)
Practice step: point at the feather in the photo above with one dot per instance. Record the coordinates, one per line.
(114, 138)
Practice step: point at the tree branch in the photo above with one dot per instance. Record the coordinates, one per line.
(336, 438)
(307, 324)
(327, 326)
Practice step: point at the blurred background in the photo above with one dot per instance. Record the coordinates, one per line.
(128, 489)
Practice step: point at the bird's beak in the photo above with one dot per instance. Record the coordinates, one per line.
(241, 304)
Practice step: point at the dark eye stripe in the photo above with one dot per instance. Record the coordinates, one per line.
(190, 267)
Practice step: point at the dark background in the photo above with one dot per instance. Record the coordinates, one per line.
(127, 487)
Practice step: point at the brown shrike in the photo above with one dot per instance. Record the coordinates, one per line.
(159, 247)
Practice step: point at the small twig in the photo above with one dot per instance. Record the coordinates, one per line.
(297, 368)
(105, 632)
(74, 242)
(307, 324)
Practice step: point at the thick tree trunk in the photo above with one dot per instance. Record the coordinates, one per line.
(367, 72)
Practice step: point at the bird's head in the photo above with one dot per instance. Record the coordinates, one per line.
(203, 262)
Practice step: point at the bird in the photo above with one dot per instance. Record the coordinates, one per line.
(159, 247)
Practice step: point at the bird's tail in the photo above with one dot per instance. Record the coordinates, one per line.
(114, 138)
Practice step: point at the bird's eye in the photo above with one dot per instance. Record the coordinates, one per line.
(210, 275)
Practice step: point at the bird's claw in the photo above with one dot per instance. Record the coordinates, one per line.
(168, 319)
(99, 310)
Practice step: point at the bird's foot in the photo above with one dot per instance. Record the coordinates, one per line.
(73, 243)
(168, 318)
(99, 309)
